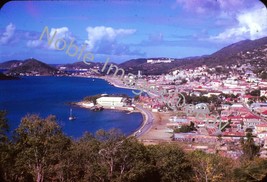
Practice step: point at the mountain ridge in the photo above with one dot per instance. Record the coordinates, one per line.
(32, 66)
(228, 55)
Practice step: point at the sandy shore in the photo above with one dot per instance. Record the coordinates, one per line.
(159, 132)
(116, 82)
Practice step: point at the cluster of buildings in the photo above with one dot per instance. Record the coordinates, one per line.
(163, 60)
(238, 109)
(242, 106)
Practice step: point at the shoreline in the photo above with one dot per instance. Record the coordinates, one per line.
(117, 83)
(83, 104)
(151, 130)
(113, 81)
(154, 124)
(138, 133)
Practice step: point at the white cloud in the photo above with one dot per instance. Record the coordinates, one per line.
(61, 33)
(102, 33)
(7, 36)
(251, 25)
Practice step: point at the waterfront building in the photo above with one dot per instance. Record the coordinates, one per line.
(111, 101)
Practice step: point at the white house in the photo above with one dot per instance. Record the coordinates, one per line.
(110, 101)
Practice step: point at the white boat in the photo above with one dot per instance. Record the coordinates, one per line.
(71, 117)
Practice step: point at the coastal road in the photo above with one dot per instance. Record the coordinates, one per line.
(148, 121)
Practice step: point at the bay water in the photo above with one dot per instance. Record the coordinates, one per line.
(52, 95)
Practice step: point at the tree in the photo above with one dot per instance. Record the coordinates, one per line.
(186, 128)
(249, 148)
(124, 159)
(263, 75)
(219, 138)
(263, 98)
(135, 163)
(4, 128)
(253, 170)
(136, 98)
(39, 144)
(184, 81)
(81, 162)
(4, 146)
(171, 162)
(210, 167)
(110, 144)
(255, 93)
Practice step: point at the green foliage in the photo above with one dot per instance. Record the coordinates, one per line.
(249, 102)
(249, 148)
(263, 98)
(253, 171)
(184, 81)
(172, 163)
(3, 127)
(136, 97)
(4, 151)
(39, 151)
(263, 75)
(255, 93)
(186, 128)
(92, 98)
(39, 144)
(210, 167)
(193, 99)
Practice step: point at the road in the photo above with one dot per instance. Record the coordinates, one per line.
(148, 121)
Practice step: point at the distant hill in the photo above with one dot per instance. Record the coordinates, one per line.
(235, 48)
(252, 51)
(10, 64)
(233, 54)
(132, 66)
(32, 66)
(80, 65)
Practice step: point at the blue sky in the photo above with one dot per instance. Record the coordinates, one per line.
(122, 30)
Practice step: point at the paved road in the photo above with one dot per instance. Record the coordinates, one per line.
(148, 121)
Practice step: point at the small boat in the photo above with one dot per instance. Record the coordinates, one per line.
(71, 117)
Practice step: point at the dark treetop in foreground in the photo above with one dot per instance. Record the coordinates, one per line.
(39, 151)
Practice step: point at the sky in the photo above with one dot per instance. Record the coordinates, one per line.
(125, 29)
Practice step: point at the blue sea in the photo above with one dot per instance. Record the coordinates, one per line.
(52, 95)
